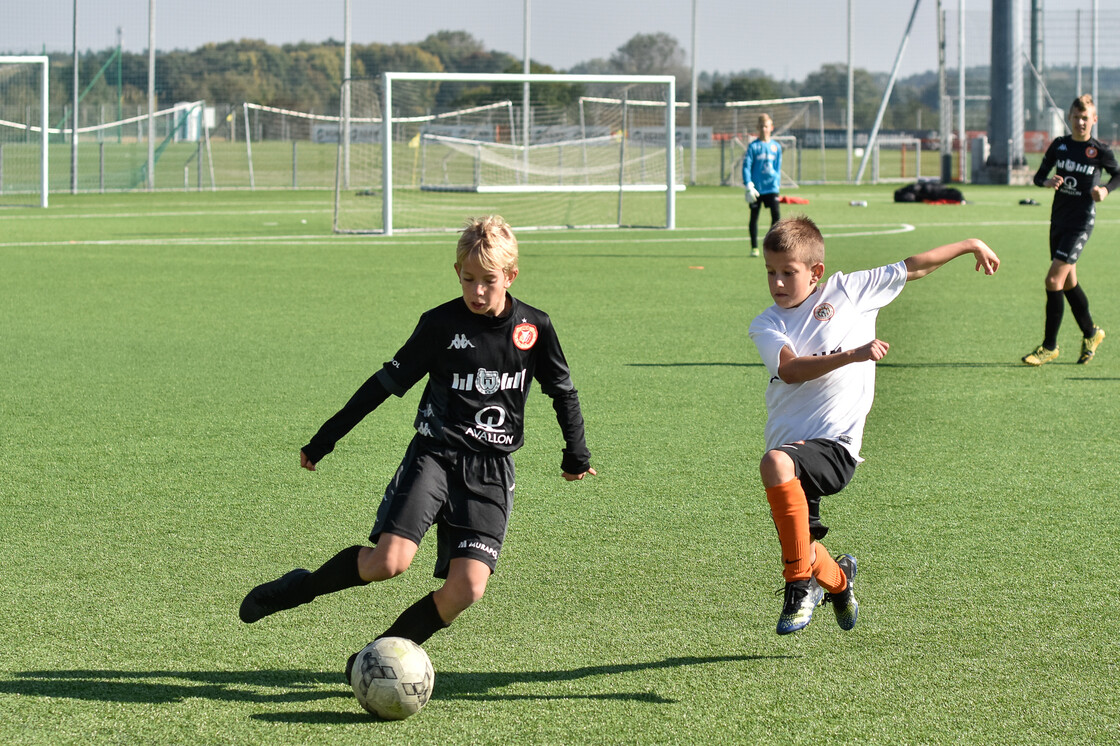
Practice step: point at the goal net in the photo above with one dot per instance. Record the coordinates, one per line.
(798, 127)
(462, 145)
(23, 131)
(286, 148)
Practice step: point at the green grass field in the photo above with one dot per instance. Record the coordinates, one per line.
(165, 356)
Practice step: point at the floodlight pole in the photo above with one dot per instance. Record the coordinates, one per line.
(1095, 41)
(74, 117)
(151, 95)
(347, 47)
(693, 114)
(525, 110)
(44, 134)
(961, 134)
(120, 85)
(851, 94)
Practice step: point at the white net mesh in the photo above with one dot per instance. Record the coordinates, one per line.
(21, 150)
(798, 126)
(466, 147)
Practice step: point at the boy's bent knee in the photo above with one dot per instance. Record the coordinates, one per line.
(776, 468)
(383, 561)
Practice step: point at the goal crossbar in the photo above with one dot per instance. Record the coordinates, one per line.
(389, 78)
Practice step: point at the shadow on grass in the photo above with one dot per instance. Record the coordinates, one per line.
(294, 686)
(962, 364)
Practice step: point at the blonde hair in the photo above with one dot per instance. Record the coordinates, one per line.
(1084, 102)
(764, 118)
(797, 237)
(490, 241)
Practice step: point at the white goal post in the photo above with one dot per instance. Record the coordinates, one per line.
(798, 122)
(461, 144)
(24, 162)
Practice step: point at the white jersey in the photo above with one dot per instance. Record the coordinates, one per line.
(839, 316)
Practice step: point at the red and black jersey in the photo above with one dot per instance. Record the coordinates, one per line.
(1080, 164)
(480, 369)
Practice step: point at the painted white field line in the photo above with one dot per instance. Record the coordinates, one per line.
(567, 238)
(164, 214)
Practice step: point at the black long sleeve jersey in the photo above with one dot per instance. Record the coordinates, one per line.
(1080, 165)
(479, 372)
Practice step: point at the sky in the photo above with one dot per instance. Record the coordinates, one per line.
(787, 39)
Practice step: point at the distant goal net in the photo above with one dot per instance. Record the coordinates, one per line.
(24, 130)
(463, 145)
(798, 127)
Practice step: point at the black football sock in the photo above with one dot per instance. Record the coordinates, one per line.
(1079, 305)
(336, 574)
(1055, 307)
(418, 622)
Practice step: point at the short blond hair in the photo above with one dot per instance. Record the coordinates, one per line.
(490, 241)
(1084, 102)
(796, 237)
(762, 119)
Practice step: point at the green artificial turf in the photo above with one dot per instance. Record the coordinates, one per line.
(165, 356)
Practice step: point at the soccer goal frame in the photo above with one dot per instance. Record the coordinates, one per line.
(43, 128)
(523, 140)
(797, 109)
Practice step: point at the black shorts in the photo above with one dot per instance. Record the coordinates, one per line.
(824, 467)
(766, 200)
(1068, 241)
(468, 496)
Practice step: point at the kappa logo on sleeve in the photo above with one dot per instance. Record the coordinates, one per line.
(824, 312)
(524, 335)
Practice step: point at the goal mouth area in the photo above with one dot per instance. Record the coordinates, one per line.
(548, 188)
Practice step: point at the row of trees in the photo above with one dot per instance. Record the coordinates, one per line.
(306, 77)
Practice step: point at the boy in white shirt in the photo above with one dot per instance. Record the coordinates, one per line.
(818, 343)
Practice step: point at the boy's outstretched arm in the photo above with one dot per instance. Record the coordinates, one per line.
(922, 264)
(794, 369)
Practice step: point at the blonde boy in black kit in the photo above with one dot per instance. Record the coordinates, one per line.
(480, 353)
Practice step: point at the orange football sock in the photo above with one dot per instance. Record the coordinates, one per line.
(826, 571)
(790, 511)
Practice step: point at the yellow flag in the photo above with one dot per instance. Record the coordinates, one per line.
(414, 142)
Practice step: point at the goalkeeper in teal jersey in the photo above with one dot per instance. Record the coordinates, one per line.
(762, 176)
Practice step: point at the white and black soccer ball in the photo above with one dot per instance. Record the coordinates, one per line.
(392, 678)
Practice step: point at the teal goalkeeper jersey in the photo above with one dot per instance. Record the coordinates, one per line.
(762, 166)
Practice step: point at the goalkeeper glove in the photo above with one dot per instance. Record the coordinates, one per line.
(752, 194)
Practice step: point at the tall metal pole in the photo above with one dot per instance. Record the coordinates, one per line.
(1080, 90)
(525, 109)
(693, 113)
(74, 114)
(945, 120)
(346, 87)
(151, 95)
(1037, 110)
(1096, 59)
(120, 85)
(851, 94)
(961, 136)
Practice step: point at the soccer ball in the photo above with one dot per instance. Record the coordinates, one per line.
(392, 678)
